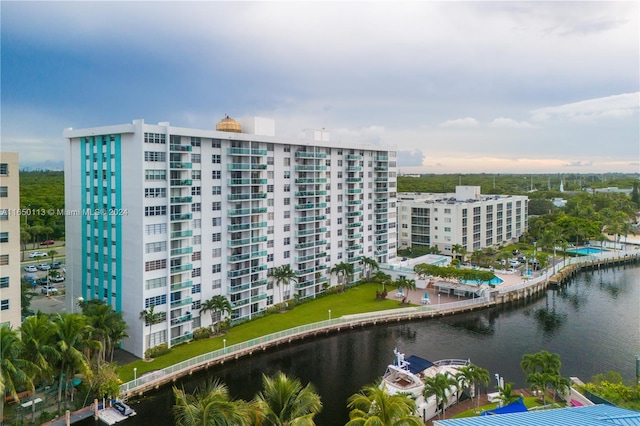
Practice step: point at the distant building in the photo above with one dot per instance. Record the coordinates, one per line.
(10, 283)
(192, 214)
(465, 217)
(611, 190)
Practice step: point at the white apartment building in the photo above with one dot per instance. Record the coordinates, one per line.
(466, 218)
(10, 284)
(169, 217)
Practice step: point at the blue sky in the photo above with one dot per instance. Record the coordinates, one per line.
(508, 87)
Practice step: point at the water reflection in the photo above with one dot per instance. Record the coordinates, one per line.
(482, 324)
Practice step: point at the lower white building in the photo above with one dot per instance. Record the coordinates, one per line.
(465, 218)
(169, 217)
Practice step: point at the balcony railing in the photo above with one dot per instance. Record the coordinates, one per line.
(305, 232)
(180, 148)
(181, 216)
(381, 158)
(181, 268)
(246, 151)
(181, 200)
(180, 165)
(181, 182)
(181, 319)
(181, 285)
(181, 251)
(181, 302)
(310, 180)
(305, 154)
(182, 234)
(181, 339)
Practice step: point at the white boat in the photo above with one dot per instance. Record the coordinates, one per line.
(406, 375)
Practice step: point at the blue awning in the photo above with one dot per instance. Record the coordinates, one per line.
(515, 407)
(417, 364)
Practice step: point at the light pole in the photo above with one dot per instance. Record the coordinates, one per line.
(135, 376)
(329, 314)
(438, 300)
(224, 345)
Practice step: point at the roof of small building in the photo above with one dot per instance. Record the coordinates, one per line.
(594, 415)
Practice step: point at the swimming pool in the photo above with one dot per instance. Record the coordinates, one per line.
(494, 281)
(586, 250)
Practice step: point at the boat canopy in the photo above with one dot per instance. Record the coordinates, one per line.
(417, 364)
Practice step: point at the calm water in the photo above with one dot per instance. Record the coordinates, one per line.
(593, 324)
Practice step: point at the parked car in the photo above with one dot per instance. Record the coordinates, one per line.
(43, 266)
(47, 243)
(30, 268)
(57, 279)
(36, 254)
(43, 281)
(56, 265)
(49, 289)
(514, 263)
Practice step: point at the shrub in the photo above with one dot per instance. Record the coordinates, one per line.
(157, 351)
(201, 333)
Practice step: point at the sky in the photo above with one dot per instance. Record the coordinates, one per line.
(454, 87)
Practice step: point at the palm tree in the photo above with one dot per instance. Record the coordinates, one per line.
(383, 279)
(559, 384)
(404, 282)
(550, 362)
(531, 363)
(15, 371)
(150, 316)
(370, 265)
(480, 377)
(39, 346)
(438, 386)
(374, 406)
(108, 325)
(217, 306)
(210, 405)
(345, 269)
(465, 376)
(72, 336)
(505, 395)
(477, 256)
(52, 255)
(283, 275)
(283, 401)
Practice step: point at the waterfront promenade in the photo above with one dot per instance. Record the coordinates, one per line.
(514, 288)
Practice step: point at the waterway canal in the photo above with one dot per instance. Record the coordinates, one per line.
(593, 324)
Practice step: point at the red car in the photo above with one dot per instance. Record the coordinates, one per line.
(47, 243)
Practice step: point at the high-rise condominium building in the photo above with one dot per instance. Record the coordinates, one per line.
(465, 218)
(169, 217)
(10, 300)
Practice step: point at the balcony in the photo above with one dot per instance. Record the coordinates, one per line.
(180, 165)
(302, 246)
(238, 288)
(300, 272)
(320, 268)
(246, 271)
(181, 200)
(354, 259)
(181, 251)
(180, 148)
(180, 216)
(381, 231)
(354, 247)
(381, 168)
(354, 180)
(239, 212)
(353, 157)
(305, 232)
(380, 200)
(310, 193)
(181, 182)
(310, 180)
(381, 189)
(322, 280)
(246, 256)
(181, 302)
(381, 158)
(353, 214)
(256, 166)
(181, 319)
(305, 154)
(354, 169)
(310, 218)
(246, 151)
(382, 210)
(181, 268)
(382, 221)
(309, 206)
(181, 285)
(310, 168)
(246, 226)
(354, 237)
(354, 202)
(354, 225)
(238, 166)
(380, 242)
(354, 191)
(182, 234)
(380, 252)
(381, 179)
(305, 258)
(304, 284)
(183, 338)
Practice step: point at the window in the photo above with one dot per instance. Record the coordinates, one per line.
(269, 188)
(155, 192)
(158, 228)
(287, 254)
(155, 210)
(216, 159)
(155, 156)
(216, 253)
(216, 268)
(196, 174)
(216, 237)
(195, 141)
(287, 188)
(216, 284)
(4, 169)
(4, 305)
(287, 214)
(270, 258)
(270, 160)
(196, 288)
(215, 143)
(216, 206)
(196, 207)
(4, 214)
(195, 272)
(155, 301)
(195, 158)
(197, 223)
(216, 190)
(195, 190)
(197, 239)
(155, 247)
(156, 283)
(287, 228)
(4, 237)
(154, 265)
(287, 241)
(4, 282)
(196, 304)
(287, 174)
(151, 175)
(287, 161)
(216, 174)
(216, 221)
(196, 256)
(287, 201)
(154, 138)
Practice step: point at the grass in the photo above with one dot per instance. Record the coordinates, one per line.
(356, 300)
(529, 402)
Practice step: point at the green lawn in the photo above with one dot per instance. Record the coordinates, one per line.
(355, 300)
(529, 402)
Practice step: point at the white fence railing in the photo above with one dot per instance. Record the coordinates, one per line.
(347, 320)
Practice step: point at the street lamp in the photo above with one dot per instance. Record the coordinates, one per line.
(438, 300)
(135, 376)
(224, 345)
(329, 314)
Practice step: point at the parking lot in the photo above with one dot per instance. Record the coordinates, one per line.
(37, 270)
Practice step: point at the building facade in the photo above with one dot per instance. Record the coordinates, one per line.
(10, 283)
(466, 218)
(169, 217)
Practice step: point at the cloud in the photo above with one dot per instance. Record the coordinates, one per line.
(410, 158)
(616, 106)
(579, 163)
(461, 122)
(509, 123)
